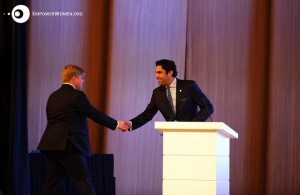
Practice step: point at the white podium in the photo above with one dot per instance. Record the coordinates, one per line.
(195, 157)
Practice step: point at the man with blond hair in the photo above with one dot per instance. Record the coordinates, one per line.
(66, 139)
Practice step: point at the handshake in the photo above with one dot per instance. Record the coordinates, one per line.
(124, 125)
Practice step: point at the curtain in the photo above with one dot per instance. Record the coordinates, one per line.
(14, 174)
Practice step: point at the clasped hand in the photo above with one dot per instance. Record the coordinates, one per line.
(124, 125)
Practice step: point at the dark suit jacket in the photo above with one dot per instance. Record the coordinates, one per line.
(191, 104)
(67, 112)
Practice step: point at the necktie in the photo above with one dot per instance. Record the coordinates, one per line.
(170, 98)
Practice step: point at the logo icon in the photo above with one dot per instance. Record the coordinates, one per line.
(20, 13)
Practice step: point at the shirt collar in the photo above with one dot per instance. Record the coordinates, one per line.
(70, 84)
(173, 84)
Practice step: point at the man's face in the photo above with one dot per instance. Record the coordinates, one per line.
(78, 81)
(162, 77)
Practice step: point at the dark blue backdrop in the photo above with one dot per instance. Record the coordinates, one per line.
(14, 174)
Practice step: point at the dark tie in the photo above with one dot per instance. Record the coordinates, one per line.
(170, 98)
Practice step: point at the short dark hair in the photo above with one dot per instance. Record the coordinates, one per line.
(167, 65)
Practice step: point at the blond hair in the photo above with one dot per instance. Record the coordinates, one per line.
(69, 71)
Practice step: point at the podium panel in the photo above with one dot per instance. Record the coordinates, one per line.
(196, 167)
(196, 157)
(194, 187)
(195, 143)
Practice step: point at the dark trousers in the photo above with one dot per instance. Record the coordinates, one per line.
(70, 162)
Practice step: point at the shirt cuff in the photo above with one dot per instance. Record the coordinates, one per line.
(117, 125)
(130, 129)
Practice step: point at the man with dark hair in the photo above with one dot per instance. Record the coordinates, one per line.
(66, 139)
(177, 100)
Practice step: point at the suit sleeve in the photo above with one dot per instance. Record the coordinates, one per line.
(145, 116)
(206, 108)
(91, 112)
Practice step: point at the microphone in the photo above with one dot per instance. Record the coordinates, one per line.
(184, 100)
(207, 109)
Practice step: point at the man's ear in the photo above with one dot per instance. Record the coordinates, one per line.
(73, 79)
(170, 73)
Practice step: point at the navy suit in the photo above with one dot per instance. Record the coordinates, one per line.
(191, 104)
(66, 138)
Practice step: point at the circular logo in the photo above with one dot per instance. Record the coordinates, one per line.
(20, 13)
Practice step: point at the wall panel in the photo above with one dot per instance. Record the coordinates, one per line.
(227, 52)
(283, 173)
(96, 61)
(142, 32)
(55, 41)
(51, 46)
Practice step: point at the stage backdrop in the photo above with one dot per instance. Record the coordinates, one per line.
(243, 54)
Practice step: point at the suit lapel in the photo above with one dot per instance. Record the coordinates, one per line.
(179, 92)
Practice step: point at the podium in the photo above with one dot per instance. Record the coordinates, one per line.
(196, 157)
